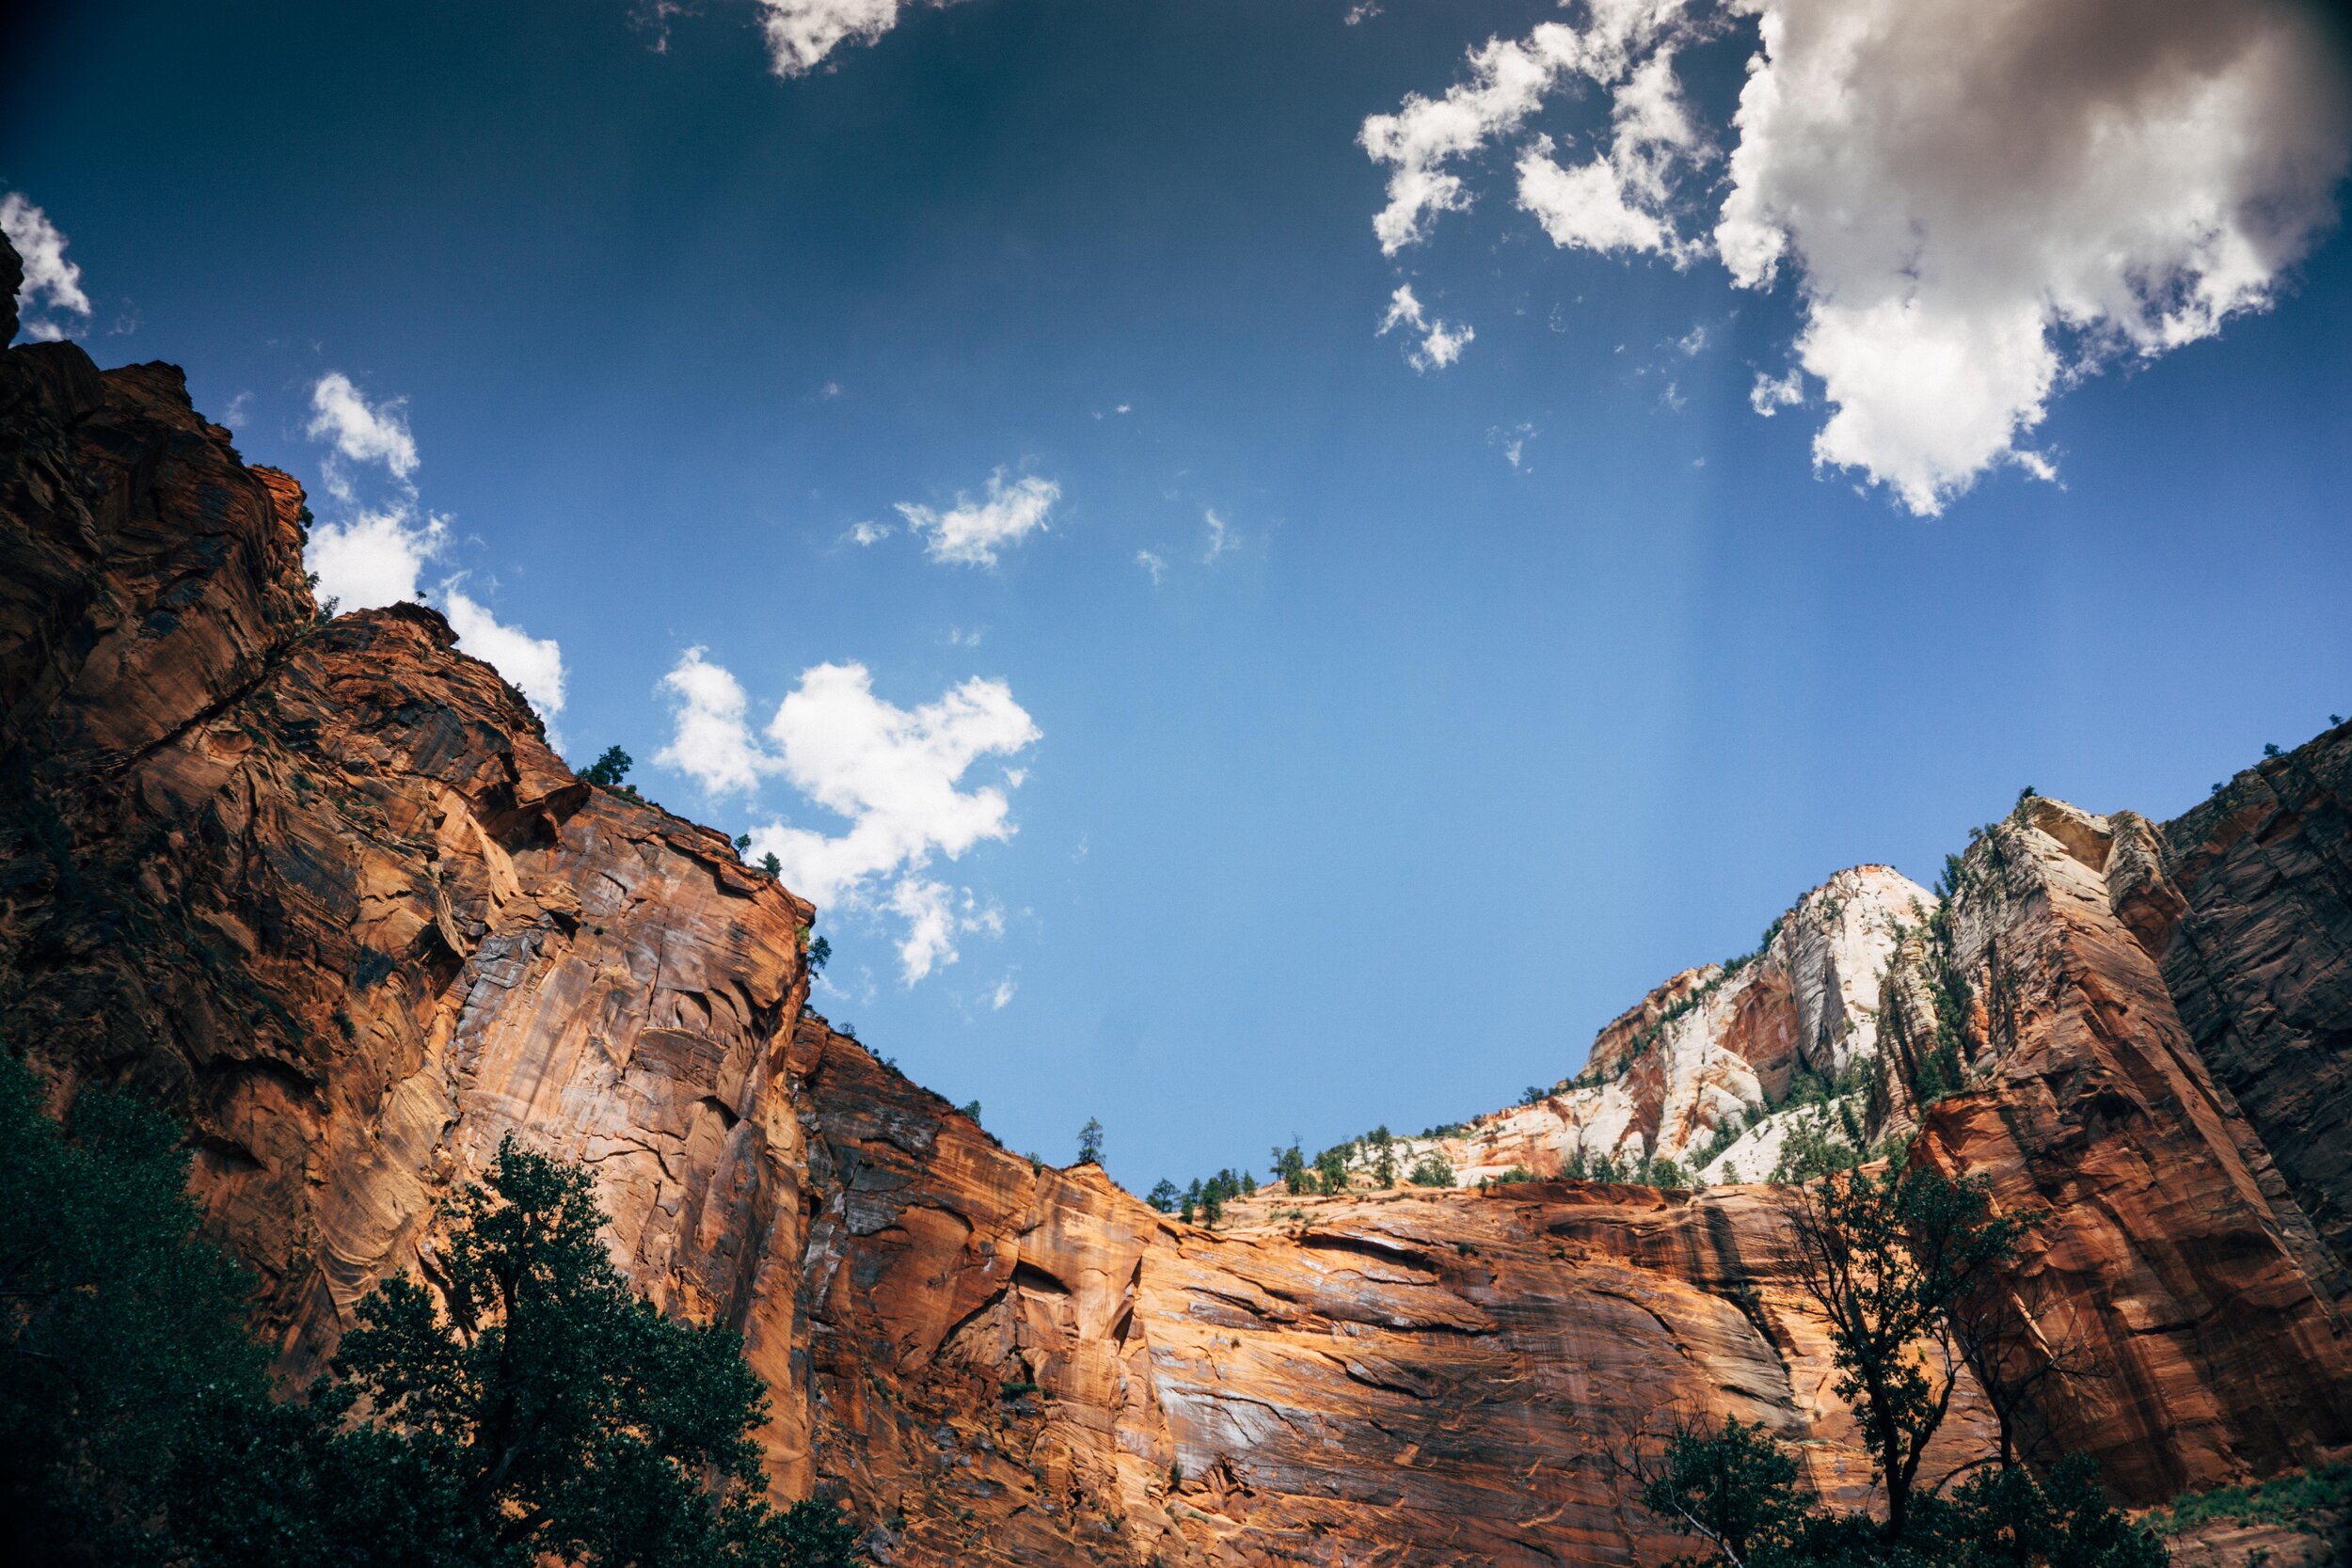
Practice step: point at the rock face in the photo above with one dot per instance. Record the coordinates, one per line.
(1714, 1051)
(325, 889)
(1029, 1366)
(2163, 1244)
(2252, 920)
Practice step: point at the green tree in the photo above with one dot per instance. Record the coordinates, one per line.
(1432, 1170)
(1383, 1155)
(1291, 1165)
(556, 1411)
(1331, 1170)
(120, 1332)
(1734, 1486)
(1885, 1257)
(1164, 1195)
(1091, 1142)
(609, 770)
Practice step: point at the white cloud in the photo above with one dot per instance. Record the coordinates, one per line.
(892, 774)
(710, 739)
(971, 533)
(1363, 11)
(801, 33)
(1512, 440)
(1000, 996)
(373, 558)
(1151, 564)
(1221, 542)
(1441, 344)
(360, 432)
(532, 665)
(1977, 202)
(863, 534)
(49, 278)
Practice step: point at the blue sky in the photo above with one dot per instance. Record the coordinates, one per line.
(1499, 690)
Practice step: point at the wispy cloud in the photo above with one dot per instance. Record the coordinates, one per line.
(1438, 345)
(972, 532)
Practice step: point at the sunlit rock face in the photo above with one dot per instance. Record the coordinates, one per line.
(325, 889)
(2164, 1242)
(1719, 1049)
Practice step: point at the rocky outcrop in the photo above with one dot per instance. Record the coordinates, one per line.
(1701, 1071)
(1017, 1364)
(2248, 905)
(326, 888)
(2162, 1251)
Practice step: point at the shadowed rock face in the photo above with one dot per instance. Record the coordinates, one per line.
(326, 890)
(2253, 923)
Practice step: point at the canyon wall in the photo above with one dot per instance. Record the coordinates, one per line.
(325, 889)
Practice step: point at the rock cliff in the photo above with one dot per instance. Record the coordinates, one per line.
(324, 887)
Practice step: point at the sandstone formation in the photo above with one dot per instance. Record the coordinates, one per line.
(1716, 1050)
(325, 889)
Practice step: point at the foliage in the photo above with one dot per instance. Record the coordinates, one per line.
(1383, 1145)
(1331, 1169)
(118, 1329)
(556, 1410)
(1739, 1490)
(1733, 1487)
(2303, 1498)
(1885, 1257)
(1512, 1177)
(972, 1111)
(1162, 1196)
(1091, 1142)
(1291, 1166)
(815, 951)
(609, 770)
(549, 1415)
(1433, 1169)
(774, 868)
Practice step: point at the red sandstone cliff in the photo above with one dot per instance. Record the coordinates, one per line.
(327, 888)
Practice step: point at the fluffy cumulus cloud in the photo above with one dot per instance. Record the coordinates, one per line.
(1430, 345)
(52, 282)
(895, 775)
(971, 533)
(360, 432)
(802, 33)
(376, 555)
(1975, 202)
(532, 665)
(373, 558)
